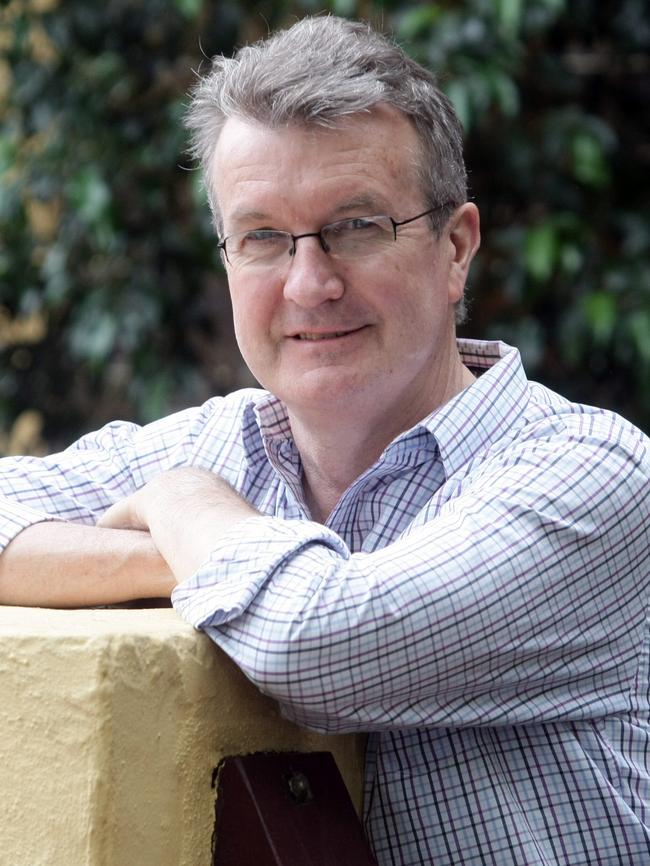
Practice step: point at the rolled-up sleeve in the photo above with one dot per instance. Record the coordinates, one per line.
(75, 485)
(80, 483)
(522, 598)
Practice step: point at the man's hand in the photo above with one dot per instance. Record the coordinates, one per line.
(186, 511)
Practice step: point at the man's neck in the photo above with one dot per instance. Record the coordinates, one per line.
(331, 461)
(336, 448)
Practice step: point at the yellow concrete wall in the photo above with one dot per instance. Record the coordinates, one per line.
(111, 722)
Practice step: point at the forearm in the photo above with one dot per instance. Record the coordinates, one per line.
(71, 565)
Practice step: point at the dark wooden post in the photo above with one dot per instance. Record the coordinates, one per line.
(286, 809)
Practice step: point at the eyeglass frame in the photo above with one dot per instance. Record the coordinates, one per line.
(221, 245)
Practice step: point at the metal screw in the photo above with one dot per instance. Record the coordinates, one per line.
(299, 788)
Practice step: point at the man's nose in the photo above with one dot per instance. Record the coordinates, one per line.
(312, 276)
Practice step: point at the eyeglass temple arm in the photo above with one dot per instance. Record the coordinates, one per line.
(431, 210)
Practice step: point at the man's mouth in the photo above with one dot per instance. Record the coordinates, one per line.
(329, 336)
(315, 336)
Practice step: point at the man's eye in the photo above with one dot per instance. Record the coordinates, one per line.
(360, 223)
(354, 226)
(262, 236)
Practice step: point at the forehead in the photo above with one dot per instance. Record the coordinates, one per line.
(369, 159)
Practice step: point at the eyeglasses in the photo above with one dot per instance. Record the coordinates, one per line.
(352, 238)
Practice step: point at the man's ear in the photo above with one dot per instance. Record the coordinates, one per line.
(464, 233)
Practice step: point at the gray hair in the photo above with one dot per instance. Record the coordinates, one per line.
(318, 72)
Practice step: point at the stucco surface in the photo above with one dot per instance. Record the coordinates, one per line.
(112, 722)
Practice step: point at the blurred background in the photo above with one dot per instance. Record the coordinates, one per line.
(113, 302)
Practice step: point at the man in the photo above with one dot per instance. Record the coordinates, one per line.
(400, 535)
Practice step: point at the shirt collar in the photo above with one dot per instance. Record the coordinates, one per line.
(485, 411)
(265, 428)
(464, 426)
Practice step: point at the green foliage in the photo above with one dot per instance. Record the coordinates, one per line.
(552, 96)
(112, 297)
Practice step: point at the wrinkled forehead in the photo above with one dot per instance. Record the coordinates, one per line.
(374, 154)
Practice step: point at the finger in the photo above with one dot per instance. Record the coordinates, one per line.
(121, 515)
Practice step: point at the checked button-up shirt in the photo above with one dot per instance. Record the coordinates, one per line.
(477, 601)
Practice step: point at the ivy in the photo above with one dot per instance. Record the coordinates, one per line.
(112, 297)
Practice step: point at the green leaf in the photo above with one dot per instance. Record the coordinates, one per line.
(509, 14)
(155, 398)
(7, 153)
(457, 92)
(555, 6)
(55, 274)
(589, 164)
(505, 93)
(600, 313)
(189, 8)
(419, 20)
(541, 251)
(345, 8)
(89, 195)
(571, 258)
(639, 327)
(92, 337)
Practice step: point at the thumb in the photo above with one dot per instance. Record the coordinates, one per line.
(122, 515)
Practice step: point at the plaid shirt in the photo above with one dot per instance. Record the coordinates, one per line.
(477, 600)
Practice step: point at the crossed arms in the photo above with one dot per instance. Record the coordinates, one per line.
(511, 593)
(140, 548)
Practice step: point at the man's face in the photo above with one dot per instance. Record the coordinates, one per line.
(326, 334)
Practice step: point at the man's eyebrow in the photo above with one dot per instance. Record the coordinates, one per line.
(369, 203)
(248, 214)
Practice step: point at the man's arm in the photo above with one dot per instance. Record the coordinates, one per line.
(520, 598)
(53, 554)
(57, 564)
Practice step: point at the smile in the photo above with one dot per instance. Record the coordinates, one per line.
(329, 336)
(316, 336)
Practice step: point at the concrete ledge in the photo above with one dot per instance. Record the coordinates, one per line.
(111, 724)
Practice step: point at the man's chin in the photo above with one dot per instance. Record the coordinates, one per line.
(325, 389)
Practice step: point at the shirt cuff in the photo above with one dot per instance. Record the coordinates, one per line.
(241, 564)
